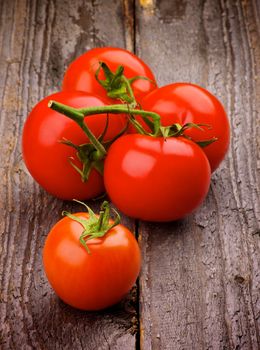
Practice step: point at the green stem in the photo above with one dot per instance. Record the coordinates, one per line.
(78, 117)
(118, 109)
(130, 90)
(103, 220)
(100, 219)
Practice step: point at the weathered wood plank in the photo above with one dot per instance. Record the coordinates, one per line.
(38, 40)
(200, 281)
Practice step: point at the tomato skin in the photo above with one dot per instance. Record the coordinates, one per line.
(184, 103)
(80, 75)
(90, 281)
(155, 179)
(47, 159)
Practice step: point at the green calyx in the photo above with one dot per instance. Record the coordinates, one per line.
(205, 143)
(92, 154)
(177, 129)
(88, 156)
(96, 226)
(117, 85)
(173, 130)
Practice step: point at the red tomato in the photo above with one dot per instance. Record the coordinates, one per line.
(184, 103)
(47, 159)
(156, 179)
(90, 281)
(81, 73)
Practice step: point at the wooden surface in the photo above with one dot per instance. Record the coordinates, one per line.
(200, 283)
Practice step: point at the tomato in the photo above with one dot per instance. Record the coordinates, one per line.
(81, 73)
(184, 103)
(47, 159)
(156, 179)
(95, 280)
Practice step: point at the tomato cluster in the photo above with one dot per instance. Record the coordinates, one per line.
(152, 149)
(45, 156)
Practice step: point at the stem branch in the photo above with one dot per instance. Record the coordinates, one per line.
(77, 115)
(118, 109)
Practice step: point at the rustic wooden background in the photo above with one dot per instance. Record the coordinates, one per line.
(200, 283)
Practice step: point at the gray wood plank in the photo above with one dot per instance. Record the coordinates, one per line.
(38, 40)
(200, 281)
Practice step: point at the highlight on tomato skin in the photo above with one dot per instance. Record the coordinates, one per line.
(80, 74)
(189, 103)
(91, 280)
(48, 159)
(156, 179)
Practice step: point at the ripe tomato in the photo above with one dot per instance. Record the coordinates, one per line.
(156, 179)
(184, 103)
(95, 280)
(81, 73)
(47, 159)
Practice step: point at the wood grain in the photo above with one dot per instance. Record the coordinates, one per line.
(38, 40)
(200, 282)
